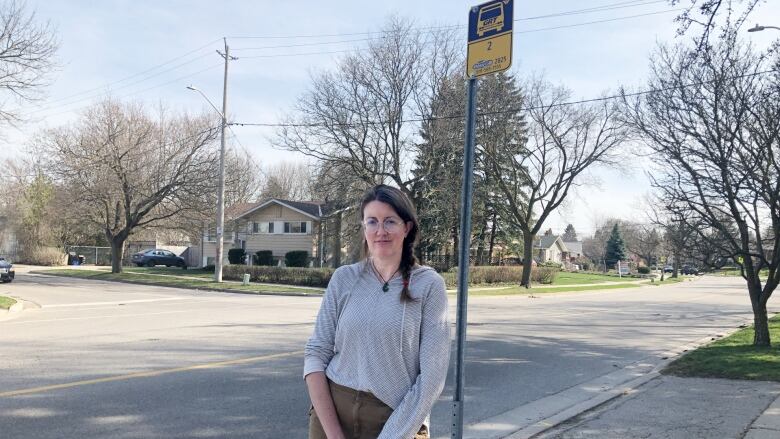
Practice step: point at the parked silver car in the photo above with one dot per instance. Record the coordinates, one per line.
(6, 271)
(153, 257)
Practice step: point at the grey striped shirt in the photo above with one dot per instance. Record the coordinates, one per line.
(371, 341)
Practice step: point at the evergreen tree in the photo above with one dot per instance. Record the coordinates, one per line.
(616, 249)
(569, 235)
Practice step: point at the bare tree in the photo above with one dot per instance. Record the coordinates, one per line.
(564, 140)
(27, 51)
(357, 118)
(128, 170)
(288, 181)
(703, 15)
(712, 122)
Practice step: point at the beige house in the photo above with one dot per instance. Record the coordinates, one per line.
(277, 225)
(550, 248)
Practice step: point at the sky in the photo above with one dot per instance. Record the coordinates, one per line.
(149, 51)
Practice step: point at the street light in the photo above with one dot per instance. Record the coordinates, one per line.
(220, 189)
(758, 28)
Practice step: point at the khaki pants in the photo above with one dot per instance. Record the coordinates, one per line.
(361, 415)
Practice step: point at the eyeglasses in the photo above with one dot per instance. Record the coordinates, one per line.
(391, 225)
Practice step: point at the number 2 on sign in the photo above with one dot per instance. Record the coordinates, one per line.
(490, 44)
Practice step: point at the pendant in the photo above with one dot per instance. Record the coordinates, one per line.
(385, 287)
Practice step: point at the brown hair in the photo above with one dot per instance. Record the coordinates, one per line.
(405, 209)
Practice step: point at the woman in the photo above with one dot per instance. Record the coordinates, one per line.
(378, 357)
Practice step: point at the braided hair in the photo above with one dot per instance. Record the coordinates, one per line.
(405, 209)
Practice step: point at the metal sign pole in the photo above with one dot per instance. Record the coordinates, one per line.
(463, 259)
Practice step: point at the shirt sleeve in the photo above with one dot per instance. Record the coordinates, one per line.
(319, 349)
(434, 361)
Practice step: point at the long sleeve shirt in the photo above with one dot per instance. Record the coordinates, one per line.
(370, 340)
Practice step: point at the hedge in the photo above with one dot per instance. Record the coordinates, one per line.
(236, 255)
(296, 258)
(505, 274)
(264, 257)
(307, 277)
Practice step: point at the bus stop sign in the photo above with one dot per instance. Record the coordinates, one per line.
(490, 38)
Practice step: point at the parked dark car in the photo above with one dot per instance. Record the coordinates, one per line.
(687, 269)
(6, 271)
(153, 257)
(668, 269)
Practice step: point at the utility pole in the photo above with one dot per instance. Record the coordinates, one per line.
(221, 183)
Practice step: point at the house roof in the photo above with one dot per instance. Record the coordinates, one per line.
(574, 246)
(313, 209)
(546, 241)
(237, 210)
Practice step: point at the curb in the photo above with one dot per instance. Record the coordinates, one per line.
(767, 426)
(160, 284)
(533, 419)
(16, 309)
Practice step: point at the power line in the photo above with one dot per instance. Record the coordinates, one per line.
(95, 95)
(141, 91)
(108, 84)
(608, 7)
(509, 111)
(324, 43)
(572, 12)
(284, 55)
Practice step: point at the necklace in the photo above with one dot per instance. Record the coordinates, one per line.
(385, 283)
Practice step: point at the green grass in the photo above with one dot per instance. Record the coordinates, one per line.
(518, 290)
(733, 357)
(735, 272)
(203, 274)
(170, 281)
(6, 302)
(573, 278)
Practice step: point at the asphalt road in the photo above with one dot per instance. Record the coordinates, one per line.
(101, 359)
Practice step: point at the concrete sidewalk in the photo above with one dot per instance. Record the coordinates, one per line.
(672, 407)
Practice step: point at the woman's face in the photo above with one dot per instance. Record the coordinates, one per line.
(384, 230)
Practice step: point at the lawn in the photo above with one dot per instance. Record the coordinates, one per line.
(574, 278)
(733, 357)
(170, 281)
(171, 271)
(6, 302)
(735, 272)
(518, 290)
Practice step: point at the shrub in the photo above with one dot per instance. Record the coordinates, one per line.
(236, 255)
(643, 270)
(307, 277)
(544, 275)
(296, 258)
(505, 274)
(264, 257)
(210, 268)
(48, 256)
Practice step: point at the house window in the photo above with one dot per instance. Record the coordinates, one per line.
(264, 227)
(295, 227)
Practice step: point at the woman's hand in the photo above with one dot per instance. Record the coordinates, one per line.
(319, 393)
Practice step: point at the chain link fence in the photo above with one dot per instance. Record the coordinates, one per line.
(92, 255)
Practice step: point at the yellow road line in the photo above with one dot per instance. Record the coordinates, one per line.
(148, 374)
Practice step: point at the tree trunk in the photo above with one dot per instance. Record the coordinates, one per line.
(761, 335)
(528, 250)
(492, 240)
(455, 243)
(117, 253)
(336, 241)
